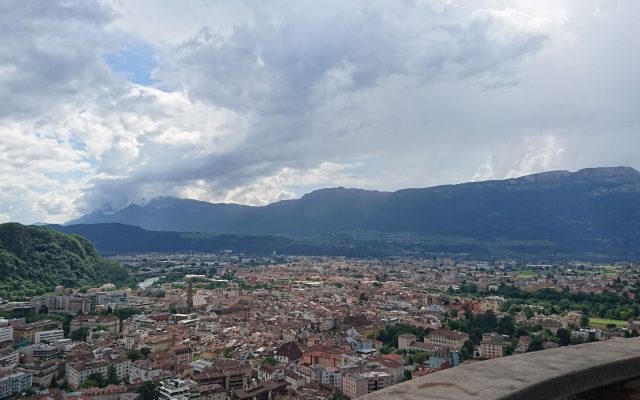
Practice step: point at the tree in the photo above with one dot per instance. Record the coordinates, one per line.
(149, 390)
(467, 350)
(112, 376)
(584, 320)
(407, 375)
(134, 355)
(536, 345)
(145, 351)
(564, 336)
(80, 335)
(420, 358)
(94, 380)
(338, 395)
(507, 325)
(228, 352)
(270, 360)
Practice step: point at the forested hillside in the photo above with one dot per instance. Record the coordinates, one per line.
(33, 260)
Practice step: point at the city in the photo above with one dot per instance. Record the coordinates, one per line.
(319, 200)
(207, 326)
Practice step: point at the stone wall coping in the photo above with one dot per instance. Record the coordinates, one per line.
(553, 374)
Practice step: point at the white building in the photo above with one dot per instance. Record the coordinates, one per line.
(178, 388)
(13, 383)
(143, 370)
(6, 330)
(78, 372)
(332, 377)
(49, 336)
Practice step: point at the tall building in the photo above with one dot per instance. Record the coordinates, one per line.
(493, 345)
(6, 331)
(356, 385)
(78, 372)
(13, 383)
(49, 336)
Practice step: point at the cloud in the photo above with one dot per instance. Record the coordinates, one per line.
(485, 170)
(104, 104)
(542, 154)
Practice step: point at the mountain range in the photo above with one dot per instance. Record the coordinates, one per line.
(592, 211)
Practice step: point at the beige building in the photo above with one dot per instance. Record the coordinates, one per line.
(156, 342)
(448, 338)
(492, 345)
(28, 331)
(405, 340)
(78, 372)
(110, 323)
(356, 385)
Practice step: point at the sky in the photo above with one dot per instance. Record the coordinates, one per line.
(108, 103)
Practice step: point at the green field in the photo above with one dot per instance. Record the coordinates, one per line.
(604, 322)
(526, 273)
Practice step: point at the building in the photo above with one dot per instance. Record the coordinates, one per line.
(44, 352)
(211, 392)
(109, 323)
(6, 331)
(288, 353)
(143, 370)
(359, 384)
(265, 391)
(49, 336)
(43, 373)
(392, 367)
(28, 331)
(228, 374)
(156, 342)
(13, 383)
(323, 356)
(178, 388)
(78, 372)
(328, 376)
(9, 357)
(493, 345)
(405, 340)
(448, 338)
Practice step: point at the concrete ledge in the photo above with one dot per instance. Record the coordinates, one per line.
(550, 375)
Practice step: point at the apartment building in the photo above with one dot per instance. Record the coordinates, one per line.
(49, 336)
(13, 383)
(110, 323)
(359, 384)
(28, 331)
(493, 345)
(6, 330)
(78, 372)
(447, 337)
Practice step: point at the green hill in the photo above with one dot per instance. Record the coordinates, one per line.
(33, 260)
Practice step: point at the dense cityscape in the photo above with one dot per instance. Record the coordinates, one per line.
(319, 200)
(226, 326)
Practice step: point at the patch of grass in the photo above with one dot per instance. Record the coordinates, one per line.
(526, 273)
(604, 322)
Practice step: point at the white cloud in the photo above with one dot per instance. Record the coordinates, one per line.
(255, 102)
(485, 170)
(543, 153)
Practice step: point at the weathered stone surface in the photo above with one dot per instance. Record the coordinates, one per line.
(550, 375)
